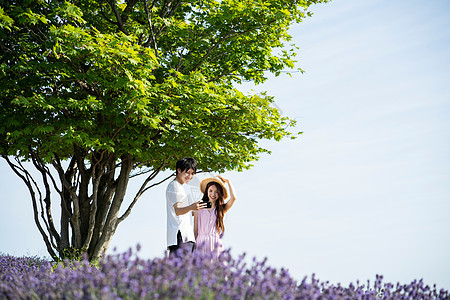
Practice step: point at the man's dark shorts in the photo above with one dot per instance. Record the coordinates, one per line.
(181, 248)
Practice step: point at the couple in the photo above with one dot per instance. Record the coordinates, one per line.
(208, 218)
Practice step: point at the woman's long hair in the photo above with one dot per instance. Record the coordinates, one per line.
(220, 206)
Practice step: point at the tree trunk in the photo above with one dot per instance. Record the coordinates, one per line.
(110, 225)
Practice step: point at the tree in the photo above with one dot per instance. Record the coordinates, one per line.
(96, 92)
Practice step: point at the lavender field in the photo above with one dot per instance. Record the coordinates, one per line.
(126, 276)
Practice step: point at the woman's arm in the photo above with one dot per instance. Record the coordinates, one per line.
(195, 224)
(230, 202)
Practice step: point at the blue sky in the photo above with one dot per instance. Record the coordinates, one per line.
(365, 190)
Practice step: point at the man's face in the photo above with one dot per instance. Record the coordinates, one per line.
(185, 176)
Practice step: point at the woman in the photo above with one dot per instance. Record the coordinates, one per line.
(208, 222)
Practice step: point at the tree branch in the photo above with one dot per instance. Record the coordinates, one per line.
(181, 52)
(112, 3)
(165, 8)
(66, 212)
(164, 13)
(230, 34)
(141, 191)
(105, 16)
(202, 59)
(128, 9)
(104, 199)
(149, 18)
(111, 219)
(75, 219)
(49, 222)
(97, 176)
(25, 176)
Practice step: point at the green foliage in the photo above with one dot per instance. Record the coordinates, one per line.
(69, 257)
(5, 21)
(69, 82)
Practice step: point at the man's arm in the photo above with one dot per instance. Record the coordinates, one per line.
(185, 209)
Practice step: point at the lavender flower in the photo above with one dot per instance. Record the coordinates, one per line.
(196, 276)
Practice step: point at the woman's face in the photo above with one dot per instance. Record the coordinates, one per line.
(213, 193)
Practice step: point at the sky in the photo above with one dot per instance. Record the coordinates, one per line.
(364, 190)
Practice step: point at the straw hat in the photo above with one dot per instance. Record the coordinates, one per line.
(205, 182)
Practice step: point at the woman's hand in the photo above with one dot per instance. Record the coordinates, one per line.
(223, 179)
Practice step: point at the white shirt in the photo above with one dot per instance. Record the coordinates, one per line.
(175, 193)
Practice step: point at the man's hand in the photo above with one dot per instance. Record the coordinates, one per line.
(198, 205)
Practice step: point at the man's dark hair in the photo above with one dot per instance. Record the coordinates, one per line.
(186, 163)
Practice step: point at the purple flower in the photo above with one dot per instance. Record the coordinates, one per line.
(195, 276)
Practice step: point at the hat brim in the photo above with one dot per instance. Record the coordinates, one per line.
(205, 182)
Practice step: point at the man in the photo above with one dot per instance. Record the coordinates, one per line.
(180, 232)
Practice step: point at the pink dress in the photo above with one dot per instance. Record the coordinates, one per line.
(208, 238)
